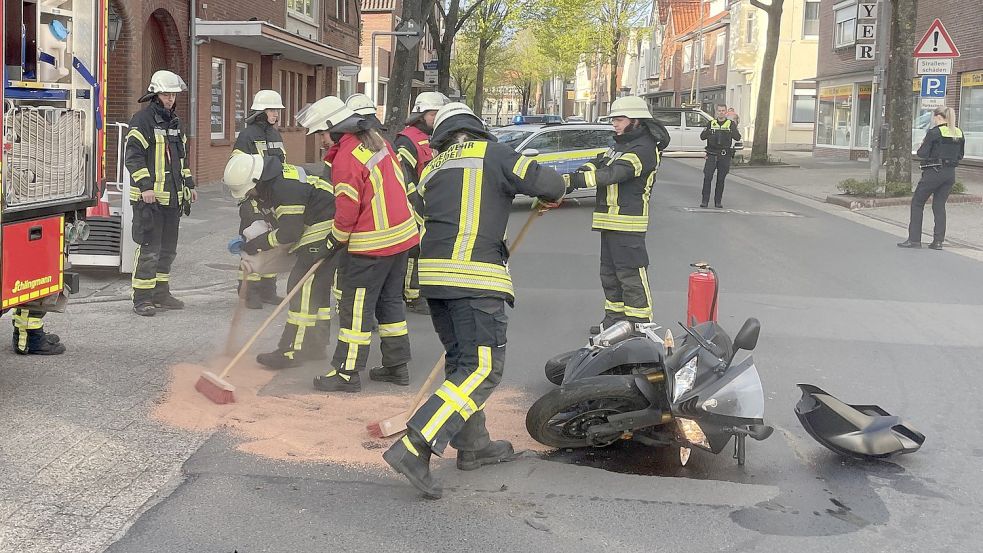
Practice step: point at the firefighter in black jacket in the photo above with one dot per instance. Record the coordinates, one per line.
(624, 178)
(260, 137)
(161, 189)
(940, 152)
(467, 194)
(720, 134)
(304, 210)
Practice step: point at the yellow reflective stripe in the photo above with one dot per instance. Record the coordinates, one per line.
(160, 168)
(613, 207)
(324, 314)
(521, 166)
(632, 158)
(135, 133)
(470, 216)
(185, 172)
(320, 184)
(144, 283)
(615, 307)
(464, 275)
(340, 235)
(140, 174)
(643, 272)
(356, 330)
(288, 210)
(480, 373)
(405, 154)
(300, 319)
(24, 320)
(409, 446)
(163, 277)
(379, 239)
(479, 268)
(272, 240)
(318, 232)
(626, 223)
(465, 406)
(565, 156)
(355, 338)
(590, 178)
(380, 214)
(290, 172)
(345, 189)
(393, 329)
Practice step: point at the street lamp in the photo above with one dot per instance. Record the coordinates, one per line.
(115, 27)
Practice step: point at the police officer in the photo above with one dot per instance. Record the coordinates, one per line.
(161, 190)
(467, 195)
(624, 177)
(941, 151)
(374, 220)
(720, 134)
(304, 209)
(260, 137)
(29, 335)
(412, 145)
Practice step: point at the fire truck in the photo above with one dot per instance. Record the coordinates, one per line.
(51, 164)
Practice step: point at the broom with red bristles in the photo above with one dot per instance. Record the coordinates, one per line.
(215, 387)
(397, 423)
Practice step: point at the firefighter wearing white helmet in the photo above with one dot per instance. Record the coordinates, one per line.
(365, 107)
(161, 189)
(412, 146)
(468, 189)
(302, 210)
(624, 177)
(260, 137)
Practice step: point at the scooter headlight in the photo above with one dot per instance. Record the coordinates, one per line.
(684, 379)
(692, 432)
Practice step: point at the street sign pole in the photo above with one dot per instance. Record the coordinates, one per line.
(414, 32)
(877, 91)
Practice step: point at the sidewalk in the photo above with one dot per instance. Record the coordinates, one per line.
(816, 179)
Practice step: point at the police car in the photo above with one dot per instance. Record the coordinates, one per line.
(563, 147)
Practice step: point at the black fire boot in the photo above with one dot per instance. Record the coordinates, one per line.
(278, 359)
(909, 244)
(397, 374)
(410, 457)
(38, 344)
(267, 292)
(936, 245)
(338, 381)
(164, 300)
(144, 309)
(498, 451)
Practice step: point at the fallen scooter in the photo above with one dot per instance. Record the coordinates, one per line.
(630, 384)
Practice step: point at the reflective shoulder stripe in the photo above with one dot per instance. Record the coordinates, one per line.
(288, 210)
(136, 134)
(405, 154)
(521, 166)
(636, 163)
(141, 174)
(320, 184)
(345, 189)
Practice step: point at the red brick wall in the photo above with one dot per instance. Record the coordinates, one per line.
(838, 61)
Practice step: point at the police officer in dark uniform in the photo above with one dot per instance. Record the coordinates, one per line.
(720, 134)
(467, 194)
(940, 152)
(260, 137)
(161, 190)
(624, 177)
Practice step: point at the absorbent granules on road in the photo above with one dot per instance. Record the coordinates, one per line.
(314, 427)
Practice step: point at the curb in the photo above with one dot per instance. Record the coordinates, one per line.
(853, 202)
(773, 166)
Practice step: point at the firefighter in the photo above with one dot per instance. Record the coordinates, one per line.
(363, 106)
(161, 190)
(260, 137)
(29, 335)
(412, 145)
(304, 207)
(467, 195)
(721, 135)
(374, 220)
(624, 177)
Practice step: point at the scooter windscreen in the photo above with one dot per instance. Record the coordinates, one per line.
(737, 394)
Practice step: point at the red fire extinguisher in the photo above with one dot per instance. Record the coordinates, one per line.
(701, 304)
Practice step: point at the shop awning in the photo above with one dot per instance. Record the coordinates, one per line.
(267, 39)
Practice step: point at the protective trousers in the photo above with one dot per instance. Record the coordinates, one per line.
(624, 277)
(155, 230)
(261, 285)
(936, 182)
(721, 165)
(371, 286)
(309, 314)
(472, 331)
(411, 284)
(28, 329)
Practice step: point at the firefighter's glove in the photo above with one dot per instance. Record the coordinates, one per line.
(545, 205)
(575, 181)
(329, 247)
(236, 245)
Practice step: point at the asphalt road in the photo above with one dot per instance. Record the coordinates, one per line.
(840, 307)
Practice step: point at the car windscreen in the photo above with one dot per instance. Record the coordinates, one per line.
(512, 138)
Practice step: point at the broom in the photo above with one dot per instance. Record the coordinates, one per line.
(397, 423)
(230, 341)
(215, 387)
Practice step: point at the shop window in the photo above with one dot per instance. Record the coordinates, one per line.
(810, 19)
(303, 8)
(721, 48)
(217, 108)
(971, 113)
(241, 96)
(803, 103)
(835, 121)
(845, 30)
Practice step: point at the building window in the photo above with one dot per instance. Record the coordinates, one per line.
(672, 62)
(971, 112)
(835, 122)
(749, 30)
(217, 110)
(862, 115)
(346, 87)
(304, 8)
(810, 21)
(803, 102)
(721, 48)
(703, 50)
(292, 92)
(845, 31)
(687, 57)
(341, 11)
(241, 96)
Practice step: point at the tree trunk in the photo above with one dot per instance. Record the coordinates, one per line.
(762, 119)
(899, 75)
(613, 81)
(404, 65)
(479, 76)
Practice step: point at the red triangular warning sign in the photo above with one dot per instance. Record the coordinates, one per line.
(936, 43)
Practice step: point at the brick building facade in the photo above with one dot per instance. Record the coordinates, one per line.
(297, 47)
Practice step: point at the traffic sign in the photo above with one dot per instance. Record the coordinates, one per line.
(934, 66)
(932, 103)
(936, 43)
(430, 77)
(933, 86)
(431, 65)
(409, 26)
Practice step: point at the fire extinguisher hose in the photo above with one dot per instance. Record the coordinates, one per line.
(716, 288)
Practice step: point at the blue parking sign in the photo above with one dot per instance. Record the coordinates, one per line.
(933, 86)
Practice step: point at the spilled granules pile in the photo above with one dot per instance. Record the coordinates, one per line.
(315, 427)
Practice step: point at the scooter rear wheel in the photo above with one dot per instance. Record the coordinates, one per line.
(556, 367)
(562, 417)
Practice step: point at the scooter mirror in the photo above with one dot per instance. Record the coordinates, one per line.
(747, 337)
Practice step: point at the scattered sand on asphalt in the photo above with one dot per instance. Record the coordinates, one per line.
(314, 427)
